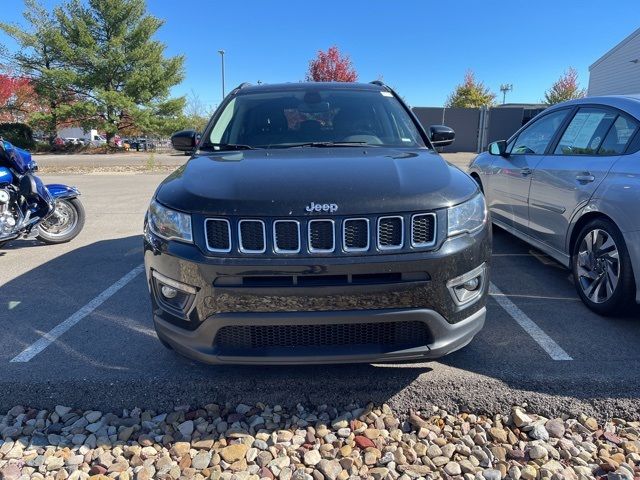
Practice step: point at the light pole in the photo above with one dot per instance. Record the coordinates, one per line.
(221, 52)
(504, 88)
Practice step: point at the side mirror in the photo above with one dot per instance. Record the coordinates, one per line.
(185, 141)
(441, 135)
(498, 148)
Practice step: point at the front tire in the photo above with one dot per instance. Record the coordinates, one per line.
(64, 224)
(602, 269)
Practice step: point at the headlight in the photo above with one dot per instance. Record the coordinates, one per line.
(169, 224)
(467, 217)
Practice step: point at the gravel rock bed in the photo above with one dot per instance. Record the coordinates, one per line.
(244, 442)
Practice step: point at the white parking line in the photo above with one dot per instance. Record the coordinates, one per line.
(554, 350)
(535, 297)
(53, 334)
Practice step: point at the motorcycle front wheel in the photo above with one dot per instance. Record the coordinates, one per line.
(64, 223)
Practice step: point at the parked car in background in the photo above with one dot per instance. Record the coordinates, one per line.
(316, 223)
(141, 144)
(568, 183)
(98, 140)
(74, 142)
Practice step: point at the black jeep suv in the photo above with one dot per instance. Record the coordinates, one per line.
(315, 223)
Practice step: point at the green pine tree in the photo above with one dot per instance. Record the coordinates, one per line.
(121, 77)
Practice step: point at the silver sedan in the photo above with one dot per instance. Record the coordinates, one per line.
(568, 183)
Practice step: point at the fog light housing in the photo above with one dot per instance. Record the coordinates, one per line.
(175, 297)
(168, 292)
(467, 288)
(472, 284)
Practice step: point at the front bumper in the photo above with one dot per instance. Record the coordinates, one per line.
(200, 345)
(281, 298)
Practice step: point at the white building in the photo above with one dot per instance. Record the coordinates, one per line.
(617, 72)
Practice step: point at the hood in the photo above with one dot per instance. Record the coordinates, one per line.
(284, 182)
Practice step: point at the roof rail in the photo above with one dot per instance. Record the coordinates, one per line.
(380, 83)
(243, 84)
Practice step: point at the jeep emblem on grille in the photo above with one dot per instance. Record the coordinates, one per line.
(321, 207)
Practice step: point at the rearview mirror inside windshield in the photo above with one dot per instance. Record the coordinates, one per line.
(319, 107)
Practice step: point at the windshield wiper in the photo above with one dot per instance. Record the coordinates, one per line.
(225, 146)
(330, 144)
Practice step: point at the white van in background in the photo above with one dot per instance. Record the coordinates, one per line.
(91, 137)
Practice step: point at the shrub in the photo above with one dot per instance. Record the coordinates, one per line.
(19, 134)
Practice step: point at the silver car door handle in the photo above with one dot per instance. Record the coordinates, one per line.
(526, 171)
(585, 178)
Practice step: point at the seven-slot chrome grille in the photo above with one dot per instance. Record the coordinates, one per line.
(384, 234)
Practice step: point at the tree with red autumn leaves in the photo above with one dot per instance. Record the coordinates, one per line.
(565, 88)
(8, 87)
(331, 66)
(17, 98)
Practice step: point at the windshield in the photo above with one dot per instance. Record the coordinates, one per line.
(314, 117)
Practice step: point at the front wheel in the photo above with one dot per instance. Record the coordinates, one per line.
(602, 268)
(64, 223)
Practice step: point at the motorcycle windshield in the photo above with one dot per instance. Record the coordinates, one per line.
(18, 159)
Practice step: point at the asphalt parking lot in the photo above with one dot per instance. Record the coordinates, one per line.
(77, 329)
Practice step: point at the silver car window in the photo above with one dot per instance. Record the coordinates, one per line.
(585, 132)
(619, 136)
(535, 138)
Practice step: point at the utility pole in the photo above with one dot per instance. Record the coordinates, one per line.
(504, 88)
(221, 52)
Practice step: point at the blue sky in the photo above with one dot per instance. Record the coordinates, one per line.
(421, 48)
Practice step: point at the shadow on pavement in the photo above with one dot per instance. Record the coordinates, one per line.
(112, 359)
(544, 291)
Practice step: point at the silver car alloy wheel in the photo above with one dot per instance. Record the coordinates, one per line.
(598, 265)
(62, 221)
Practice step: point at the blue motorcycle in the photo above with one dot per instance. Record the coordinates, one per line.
(29, 208)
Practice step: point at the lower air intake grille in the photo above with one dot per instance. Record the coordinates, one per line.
(390, 233)
(218, 235)
(321, 236)
(252, 236)
(390, 334)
